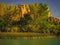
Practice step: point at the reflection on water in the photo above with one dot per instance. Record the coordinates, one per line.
(15, 43)
(53, 41)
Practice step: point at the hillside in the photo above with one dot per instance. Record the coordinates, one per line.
(28, 18)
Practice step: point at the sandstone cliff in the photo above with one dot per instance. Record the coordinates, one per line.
(24, 9)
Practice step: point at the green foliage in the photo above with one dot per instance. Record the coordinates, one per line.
(26, 24)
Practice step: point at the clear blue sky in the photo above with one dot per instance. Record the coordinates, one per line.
(53, 4)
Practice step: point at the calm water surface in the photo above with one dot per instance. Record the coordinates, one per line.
(45, 41)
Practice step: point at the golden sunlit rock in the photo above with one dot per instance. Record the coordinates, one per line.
(23, 9)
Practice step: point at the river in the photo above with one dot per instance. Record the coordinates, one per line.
(21, 41)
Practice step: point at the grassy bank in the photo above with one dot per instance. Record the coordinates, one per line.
(24, 35)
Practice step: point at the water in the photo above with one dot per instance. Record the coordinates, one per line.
(45, 41)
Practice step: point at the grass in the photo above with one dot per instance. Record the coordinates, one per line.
(15, 35)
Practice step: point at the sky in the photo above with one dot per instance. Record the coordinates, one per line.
(54, 5)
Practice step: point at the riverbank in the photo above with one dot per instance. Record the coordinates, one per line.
(24, 35)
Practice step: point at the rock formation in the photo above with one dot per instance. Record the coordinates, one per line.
(23, 9)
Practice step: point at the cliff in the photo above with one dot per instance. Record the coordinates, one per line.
(53, 19)
(25, 9)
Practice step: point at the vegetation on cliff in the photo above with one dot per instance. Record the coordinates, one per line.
(27, 18)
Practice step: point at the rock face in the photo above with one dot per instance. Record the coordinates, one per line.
(23, 9)
(49, 13)
(52, 19)
(2, 9)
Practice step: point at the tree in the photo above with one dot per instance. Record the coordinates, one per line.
(23, 23)
(2, 9)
